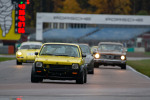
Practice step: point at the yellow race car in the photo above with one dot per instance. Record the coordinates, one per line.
(59, 61)
(26, 52)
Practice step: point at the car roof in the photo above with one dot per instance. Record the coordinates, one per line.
(94, 47)
(63, 44)
(83, 44)
(31, 42)
(110, 43)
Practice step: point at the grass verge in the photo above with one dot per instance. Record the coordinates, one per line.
(142, 66)
(147, 53)
(6, 58)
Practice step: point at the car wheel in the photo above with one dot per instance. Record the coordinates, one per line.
(92, 69)
(41, 80)
(91, 72)
(85, 78)
(96, 65)
(81, 79)
(123, 66)
(18, 63)
(33, 78)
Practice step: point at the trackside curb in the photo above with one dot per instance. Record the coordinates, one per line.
(138, 72)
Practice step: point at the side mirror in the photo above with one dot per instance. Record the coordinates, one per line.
(36, 53)
(126, 49)
(83, 55)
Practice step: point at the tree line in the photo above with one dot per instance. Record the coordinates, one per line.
(119, 7)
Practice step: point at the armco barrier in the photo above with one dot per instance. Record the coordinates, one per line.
(130, 50)
(141, 49)
(10, 49)
(6, 49)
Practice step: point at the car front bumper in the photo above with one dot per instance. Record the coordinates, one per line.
(25, 59)
(109, 61)
(57, 74)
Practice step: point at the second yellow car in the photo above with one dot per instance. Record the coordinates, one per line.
(26, 52)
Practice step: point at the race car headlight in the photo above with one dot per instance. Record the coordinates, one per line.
(19, 53)
(75, 66)
(39, 64)
(123, 57)
(97, 55)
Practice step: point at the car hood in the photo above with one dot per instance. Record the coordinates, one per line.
(62, 60)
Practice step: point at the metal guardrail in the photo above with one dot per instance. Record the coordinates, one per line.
(6, 49)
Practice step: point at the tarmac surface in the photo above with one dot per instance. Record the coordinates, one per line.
(108, 83)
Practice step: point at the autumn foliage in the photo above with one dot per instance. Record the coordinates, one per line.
(121, 7)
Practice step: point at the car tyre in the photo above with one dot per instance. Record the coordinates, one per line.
(41, 80)
(85, 78)
(96, 65)
(123, 66)
(18, 63)
(81, 79)
(91, 72)
(33, 78)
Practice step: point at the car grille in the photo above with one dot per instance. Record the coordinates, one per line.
(59, 67)
(110, 56)
(59, 70)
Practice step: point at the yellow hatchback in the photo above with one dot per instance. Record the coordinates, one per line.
(26, 52)
(59, 61)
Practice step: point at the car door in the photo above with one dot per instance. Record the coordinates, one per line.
(86, 51)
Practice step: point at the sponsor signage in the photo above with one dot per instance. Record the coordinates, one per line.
(93, 19)
(124, 19)
(103, 20)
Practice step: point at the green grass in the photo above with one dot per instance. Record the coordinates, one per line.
(6, 58)
(142, 66)
(147, 53)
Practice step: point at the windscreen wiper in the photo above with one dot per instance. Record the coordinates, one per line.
(47, 54)
(66, 55)
(62, 55)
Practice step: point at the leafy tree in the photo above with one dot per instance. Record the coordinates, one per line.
(142, 12)
(58, 5)
(140, 5)
(111, 6)
(71, 6)
(31, 10)
(37, 6)
(124, 7)
(83, 4)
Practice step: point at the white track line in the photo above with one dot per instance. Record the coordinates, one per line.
(138, 72)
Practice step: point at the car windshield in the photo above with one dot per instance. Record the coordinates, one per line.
(85, 49)
(110, 47)
(60, 50)
(31, 46)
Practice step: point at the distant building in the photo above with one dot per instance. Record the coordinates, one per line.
(143, 40)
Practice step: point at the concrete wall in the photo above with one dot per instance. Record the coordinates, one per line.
(141, 49)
